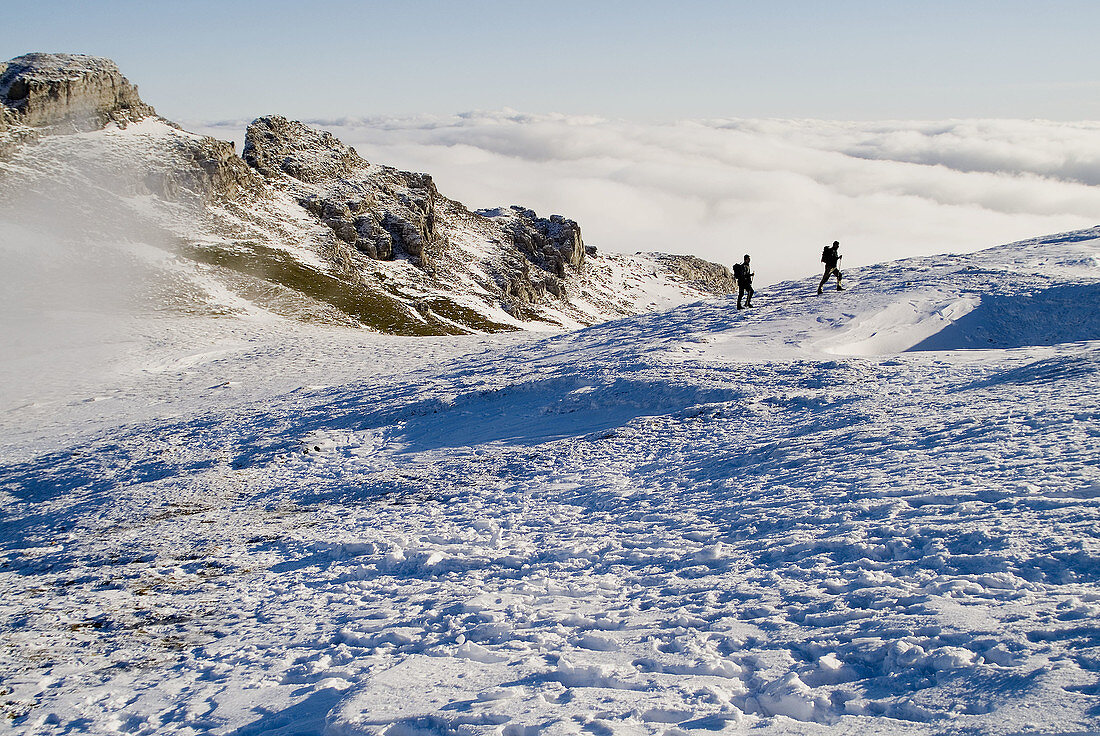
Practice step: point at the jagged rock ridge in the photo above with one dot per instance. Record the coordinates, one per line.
(306, 215)
(386, 213)
(382, 212)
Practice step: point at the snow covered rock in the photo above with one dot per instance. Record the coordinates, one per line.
(382, 212)
(13, 133)
(553, 243)
(205, 167)
(71, 91)
(711, 276)
(386, 214)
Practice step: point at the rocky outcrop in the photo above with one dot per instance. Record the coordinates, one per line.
(525, 287)
(551, 243)
(13, 133)
(219, 171)
(65, 93)
(207, 168)
(712, 277)
(69, 91)
(380, 211)
(386, 214)
(275, 146)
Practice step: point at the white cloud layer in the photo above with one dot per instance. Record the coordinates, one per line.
(778, 189)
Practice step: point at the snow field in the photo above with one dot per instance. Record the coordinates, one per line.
(698, 521)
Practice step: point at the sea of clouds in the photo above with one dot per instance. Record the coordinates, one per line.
(778, 189)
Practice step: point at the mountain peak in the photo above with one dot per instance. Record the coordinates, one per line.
(69, 90)
(274, 145)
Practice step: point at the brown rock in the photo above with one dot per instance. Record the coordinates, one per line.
(70, 91)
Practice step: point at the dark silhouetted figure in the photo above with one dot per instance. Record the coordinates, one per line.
(831, 258)
(743, 273)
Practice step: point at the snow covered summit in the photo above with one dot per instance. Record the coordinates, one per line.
(73, 90)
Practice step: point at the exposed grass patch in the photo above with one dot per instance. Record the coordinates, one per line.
(368, 306)
(464, 315)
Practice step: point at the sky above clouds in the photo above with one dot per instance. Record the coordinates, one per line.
(638, 59)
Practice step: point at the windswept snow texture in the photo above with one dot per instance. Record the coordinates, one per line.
(873, 511)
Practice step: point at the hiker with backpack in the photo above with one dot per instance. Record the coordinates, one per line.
(743, 274)
(831, 258)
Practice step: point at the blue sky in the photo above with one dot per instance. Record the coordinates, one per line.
(653, 61)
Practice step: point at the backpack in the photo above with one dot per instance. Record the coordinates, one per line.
(739, 270)
(825, 254)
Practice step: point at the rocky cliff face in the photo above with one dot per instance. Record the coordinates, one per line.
(300, 219)
(380, 211)
(12, 134)
(69, 91)
(386, 214)
(552, 243)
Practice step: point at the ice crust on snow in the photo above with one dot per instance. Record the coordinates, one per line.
(866, 512)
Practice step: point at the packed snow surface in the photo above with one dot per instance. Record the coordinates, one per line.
(871, 511)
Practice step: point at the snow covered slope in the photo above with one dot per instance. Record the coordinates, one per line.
(873, 511)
